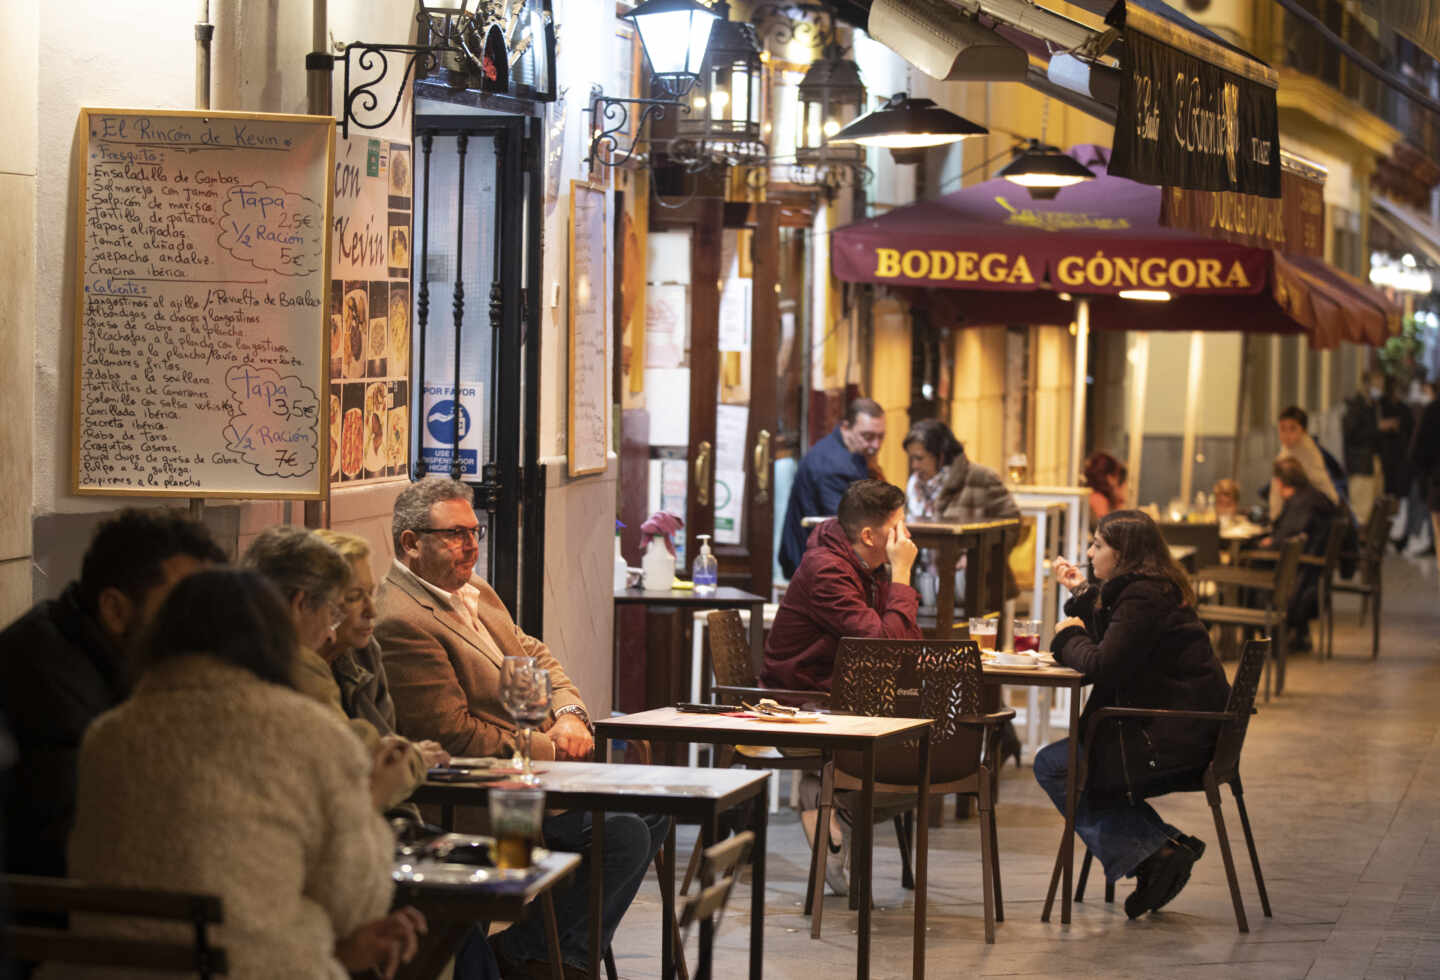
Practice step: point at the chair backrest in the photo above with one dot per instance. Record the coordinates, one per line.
(1335, 543)
(935, 679)
(1246, 682)
(730, 649)
(1287, 571)
(1204, 538)
(63, 896)
(718, 871)
(1377, 529)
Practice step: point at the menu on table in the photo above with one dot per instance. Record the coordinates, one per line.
(201, 307)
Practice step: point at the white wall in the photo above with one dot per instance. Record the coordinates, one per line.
(1168, 381)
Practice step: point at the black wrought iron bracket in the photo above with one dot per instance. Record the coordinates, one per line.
(780, 23)
(362, 103)
(610, 120)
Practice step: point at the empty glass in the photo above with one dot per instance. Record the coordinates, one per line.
(525, 692)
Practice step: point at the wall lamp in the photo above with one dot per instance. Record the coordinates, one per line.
(674, 35)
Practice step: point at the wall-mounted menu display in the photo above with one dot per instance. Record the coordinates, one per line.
(202, 316)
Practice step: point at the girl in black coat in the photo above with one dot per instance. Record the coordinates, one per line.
(1137, 640)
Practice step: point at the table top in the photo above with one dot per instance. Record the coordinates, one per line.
(1043, 676)
(1180, 552)
(1034, 490)
(844, 731)
(956, 529)
(617, 786)
(462, 893)
(1242, 532)
(721, 598)
(1050, 504)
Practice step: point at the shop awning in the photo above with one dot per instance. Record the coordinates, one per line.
(991, 254)
(1407, 226)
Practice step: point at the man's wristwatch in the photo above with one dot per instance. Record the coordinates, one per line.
(575, 709)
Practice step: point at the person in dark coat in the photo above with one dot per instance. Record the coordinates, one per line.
(1397, 427)
(831, 465)
(1137, 639)
(67, 660)
(1304, 510)
(1425, 454)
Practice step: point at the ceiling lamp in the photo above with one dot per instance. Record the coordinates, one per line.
(1043, 170)
(907, 127)
(1146, 295)
(672, 34)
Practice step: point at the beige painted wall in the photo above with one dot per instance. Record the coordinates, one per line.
(890, 384)
(977, 399)
(1054, 380)
(18, 61)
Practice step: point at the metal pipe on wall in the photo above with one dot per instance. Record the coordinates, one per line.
(1192, 415)
(1139, 358)
(1077, 410)
(319, 63)
(204, 32)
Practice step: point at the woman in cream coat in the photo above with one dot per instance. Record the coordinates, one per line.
(218, 777)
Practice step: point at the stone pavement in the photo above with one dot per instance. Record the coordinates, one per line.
(1342, 780)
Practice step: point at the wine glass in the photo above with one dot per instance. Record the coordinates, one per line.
(525, 692)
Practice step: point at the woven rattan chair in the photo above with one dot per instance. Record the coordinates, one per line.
(1275, 587)
(1224, 768)
(1368, 581)
(934, 679)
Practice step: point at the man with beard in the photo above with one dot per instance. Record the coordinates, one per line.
(68, 659)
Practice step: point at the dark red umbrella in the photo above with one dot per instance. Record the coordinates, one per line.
(991, 254)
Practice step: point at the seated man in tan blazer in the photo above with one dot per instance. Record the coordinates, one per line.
(443, 634)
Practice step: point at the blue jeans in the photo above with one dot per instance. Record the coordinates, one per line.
(631, 843)
(1121, 835)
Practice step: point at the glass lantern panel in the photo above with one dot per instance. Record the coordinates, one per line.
(674, 40)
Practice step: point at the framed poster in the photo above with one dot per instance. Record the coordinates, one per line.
(201, 308)
(589, 332)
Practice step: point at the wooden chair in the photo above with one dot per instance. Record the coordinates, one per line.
(66, 897)
(936, 679)
(1368, 582)
(718, 872)
(1224, 768)
(1204, 538)
(1275, 587)
(1327, 563)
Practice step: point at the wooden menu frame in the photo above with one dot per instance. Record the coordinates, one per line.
(589, 333)
(316, 167)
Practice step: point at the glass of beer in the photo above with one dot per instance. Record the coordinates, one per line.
(1027, 635)
(515, 816)
(983, 631)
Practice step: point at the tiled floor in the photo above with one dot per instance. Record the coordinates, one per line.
(1342, 779)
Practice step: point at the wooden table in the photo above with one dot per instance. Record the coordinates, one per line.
(986, 545)
(688, 795)
(665, 686)
(452, 900)
(838, 732)
(1073, 680)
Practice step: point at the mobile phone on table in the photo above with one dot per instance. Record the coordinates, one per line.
(705, 709)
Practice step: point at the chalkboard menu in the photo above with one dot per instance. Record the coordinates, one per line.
(201, 307)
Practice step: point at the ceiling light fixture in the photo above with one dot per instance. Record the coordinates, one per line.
(1147, 295)
(1043, 170)
(907, 127)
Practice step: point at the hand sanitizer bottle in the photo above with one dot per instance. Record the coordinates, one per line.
(622, 571)
(706, 572)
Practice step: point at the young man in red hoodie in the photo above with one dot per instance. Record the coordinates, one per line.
(854, 580)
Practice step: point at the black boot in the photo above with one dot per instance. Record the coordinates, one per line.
(1162, 875)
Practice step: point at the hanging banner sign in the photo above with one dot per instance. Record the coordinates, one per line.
(1183, 121)
(1293, 223)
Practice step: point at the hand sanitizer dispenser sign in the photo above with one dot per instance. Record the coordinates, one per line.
(443, 415)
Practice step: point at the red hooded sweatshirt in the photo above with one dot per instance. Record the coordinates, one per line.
(832, 595)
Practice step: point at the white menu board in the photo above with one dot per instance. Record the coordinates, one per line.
(201, 308)
(589, 332)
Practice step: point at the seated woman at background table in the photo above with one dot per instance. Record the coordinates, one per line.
(1105, 476)
(1137, 639)
(1227, 501)
(218, 777)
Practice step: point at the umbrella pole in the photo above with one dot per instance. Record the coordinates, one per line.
(1241, 407)
(1139, 357)
(1077, 411)
(1192, 412)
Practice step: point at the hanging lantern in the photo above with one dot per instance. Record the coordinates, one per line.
(831, 97)
(672, 35)
(725, 110)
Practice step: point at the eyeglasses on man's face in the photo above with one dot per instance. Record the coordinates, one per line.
(456, 537)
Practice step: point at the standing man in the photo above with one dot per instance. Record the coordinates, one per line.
(444, 634)
(1295, 443)
(1361, 425)
(831, 465)
(69, 659)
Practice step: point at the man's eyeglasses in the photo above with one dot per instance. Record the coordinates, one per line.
(456, 537)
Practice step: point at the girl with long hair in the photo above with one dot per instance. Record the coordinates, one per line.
(1136, 638)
